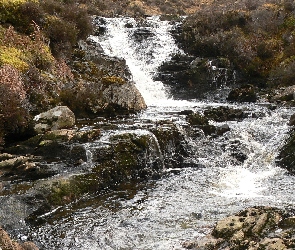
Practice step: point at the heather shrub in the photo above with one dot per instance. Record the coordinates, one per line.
(15, 118)
(284, 74)
(22, 51)
(65, 23)
(251, 4)
(10, 10)
(288, 5)
(80, 18)
(30, 12)
(255, 39)
(62, 35)
(267, 19)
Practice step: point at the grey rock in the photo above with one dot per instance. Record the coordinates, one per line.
(57, 118)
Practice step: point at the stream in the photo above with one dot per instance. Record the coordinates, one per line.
(183, 203)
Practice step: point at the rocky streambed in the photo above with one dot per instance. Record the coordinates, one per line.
(64, 170)
(155, 177)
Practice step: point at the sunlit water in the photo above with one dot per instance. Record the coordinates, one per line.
(186, 202)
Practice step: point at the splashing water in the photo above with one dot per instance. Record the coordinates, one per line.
(183, 204)
(143, 56)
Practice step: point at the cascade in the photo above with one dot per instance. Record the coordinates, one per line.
(183, 204)
(144, 48)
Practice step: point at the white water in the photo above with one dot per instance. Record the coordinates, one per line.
(184, 204)
(144, 57)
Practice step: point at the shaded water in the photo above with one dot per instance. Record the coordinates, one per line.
(184, 203)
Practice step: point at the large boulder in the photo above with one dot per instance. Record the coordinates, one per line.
(104, 85)
(125, 96)
(285, 94)
(254, 228)
(190, 77)
(286, 157)
(172, 143)
(245, 93)
(59, 117)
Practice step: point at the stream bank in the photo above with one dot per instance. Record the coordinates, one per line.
(171, 170)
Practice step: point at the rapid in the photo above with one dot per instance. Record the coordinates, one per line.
(183, 203)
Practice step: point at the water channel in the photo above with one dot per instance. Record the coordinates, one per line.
(185, 202)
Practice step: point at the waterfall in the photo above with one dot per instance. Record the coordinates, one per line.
(144, 48)
(229, 172)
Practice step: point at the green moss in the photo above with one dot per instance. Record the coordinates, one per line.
(113, 80)
(14, 57)
(289, 22)
(87, 70)
(63, 192)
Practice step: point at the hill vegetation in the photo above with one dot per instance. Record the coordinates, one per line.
(257, 37)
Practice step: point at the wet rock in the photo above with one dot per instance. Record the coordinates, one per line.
(287, 223)
(244, 93)
(286, 157)
(123, 157)
(13, 162)
(172, 144)
(219, 114)
(220, 130)
(254, 228)
(186, 112)
(6, 243)
(131, 155)
(222, 114)
(292, 120)
(64, 148)
(287, 94)
(193, 77)
(97, 93)
(200, 121)
(57, 118)
(141, 34)
(197, 119)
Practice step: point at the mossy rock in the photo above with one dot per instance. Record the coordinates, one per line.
(222, 114)
(172, 144)
(197, 119)
(252, 228)
(129, 156)
(286, 158)
(202, 122)
(245, 93)
(59, 145)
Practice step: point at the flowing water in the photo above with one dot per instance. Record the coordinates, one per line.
(184, 203)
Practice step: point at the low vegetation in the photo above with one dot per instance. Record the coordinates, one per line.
(257, 37)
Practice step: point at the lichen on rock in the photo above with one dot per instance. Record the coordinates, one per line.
(253, 228)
